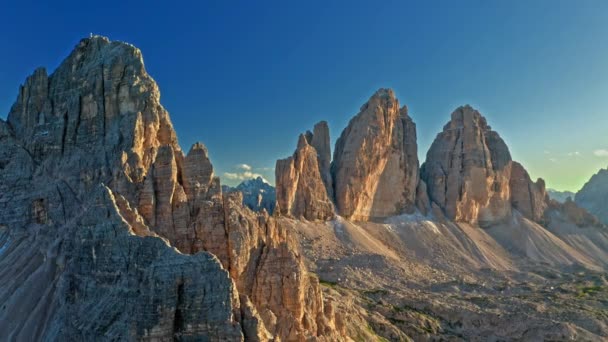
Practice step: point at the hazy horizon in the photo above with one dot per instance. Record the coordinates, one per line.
(246, 79)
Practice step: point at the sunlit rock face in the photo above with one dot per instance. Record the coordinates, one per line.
(470, 175)
(303, 181)
(375, 166)
(100, 211)
(467, 170)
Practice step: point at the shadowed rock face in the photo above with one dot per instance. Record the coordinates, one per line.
(320, 141)
(303, 180)
(593, 196)
(375, 166)
(94, 193)
(529, 198)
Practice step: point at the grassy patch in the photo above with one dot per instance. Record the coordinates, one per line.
(328, 283)
(375, 292)
(373, 333)
(589, 291)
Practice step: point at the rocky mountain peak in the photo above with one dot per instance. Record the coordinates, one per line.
(594, 195)
(466, 170)
(303, 141)
(97, 123)
(303, 181)
(375, 166)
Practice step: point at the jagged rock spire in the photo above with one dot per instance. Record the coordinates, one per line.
(303, 180)
(375, 166)
(466, 170)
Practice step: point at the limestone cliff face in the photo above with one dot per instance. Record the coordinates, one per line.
(322, 144)
(470, 175)
(98, 120)
(375, 166)
(467, 170)
(303, 181)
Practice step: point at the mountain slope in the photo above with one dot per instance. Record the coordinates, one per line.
(593, 196)
(108, 229)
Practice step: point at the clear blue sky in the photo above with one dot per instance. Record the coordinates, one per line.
(246, 77)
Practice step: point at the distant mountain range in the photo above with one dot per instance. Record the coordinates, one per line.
(560, 196)
(257, 194)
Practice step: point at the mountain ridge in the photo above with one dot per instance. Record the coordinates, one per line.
(108, 228)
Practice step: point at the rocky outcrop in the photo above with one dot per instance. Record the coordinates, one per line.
(90, 259)
(320, 141)
(302, 180)
(593, 196)
(93, 278)
(529, 198)
(470, 175)
(571, 212)
(467, 170)
(375, 166)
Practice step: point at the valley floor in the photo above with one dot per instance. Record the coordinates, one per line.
(413, 277)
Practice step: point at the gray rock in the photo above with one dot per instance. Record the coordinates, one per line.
(257, 194)
(593, 196)
(82, 260)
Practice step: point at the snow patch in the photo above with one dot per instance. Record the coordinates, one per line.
(424, 222)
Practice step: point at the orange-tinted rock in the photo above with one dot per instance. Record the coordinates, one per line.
(375, 166)
(467, 170)
(300, 187)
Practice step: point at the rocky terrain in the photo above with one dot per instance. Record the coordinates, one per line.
(257, 194)
(593, 196)
(481, 253)
(108, 230)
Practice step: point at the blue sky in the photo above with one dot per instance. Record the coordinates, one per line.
(246, 78)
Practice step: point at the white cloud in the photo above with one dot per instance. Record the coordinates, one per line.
(553, 160)
(574, 154)
(244, 167)
(243, 175)
(601, 153)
